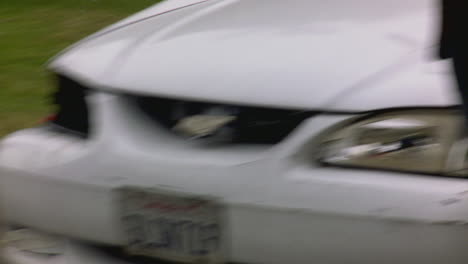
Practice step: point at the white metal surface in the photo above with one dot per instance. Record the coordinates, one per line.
(75, 254)
(280, 206)
(297, 54)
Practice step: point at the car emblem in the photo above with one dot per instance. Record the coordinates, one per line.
(198, 126)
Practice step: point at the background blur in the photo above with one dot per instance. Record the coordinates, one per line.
(31, 32)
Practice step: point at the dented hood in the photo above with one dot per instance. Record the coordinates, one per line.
(340, 55)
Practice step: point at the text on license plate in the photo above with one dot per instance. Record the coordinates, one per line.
(171, 227)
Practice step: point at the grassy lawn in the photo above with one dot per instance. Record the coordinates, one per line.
(32, 31)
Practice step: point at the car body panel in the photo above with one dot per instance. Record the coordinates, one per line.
(76, 253)
(154, 10)
(160, 8)
(290, 54)
(279, 204)
(270, 195)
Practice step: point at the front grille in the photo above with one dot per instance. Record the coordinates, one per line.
(252, 125)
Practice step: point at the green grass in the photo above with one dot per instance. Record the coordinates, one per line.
(32, 31)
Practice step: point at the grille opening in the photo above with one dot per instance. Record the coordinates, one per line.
(252, 125)
(72, 110)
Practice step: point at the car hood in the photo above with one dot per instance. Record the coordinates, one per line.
(340, 55)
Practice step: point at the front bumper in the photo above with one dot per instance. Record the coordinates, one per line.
(75, 253)
(278, 209)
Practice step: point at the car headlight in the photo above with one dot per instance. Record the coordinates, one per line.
(412, 140)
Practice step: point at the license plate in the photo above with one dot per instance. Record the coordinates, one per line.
(171, 226)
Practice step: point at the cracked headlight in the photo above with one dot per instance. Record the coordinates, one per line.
(414, 141)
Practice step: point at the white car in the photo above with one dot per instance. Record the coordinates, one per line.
(246, 131)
